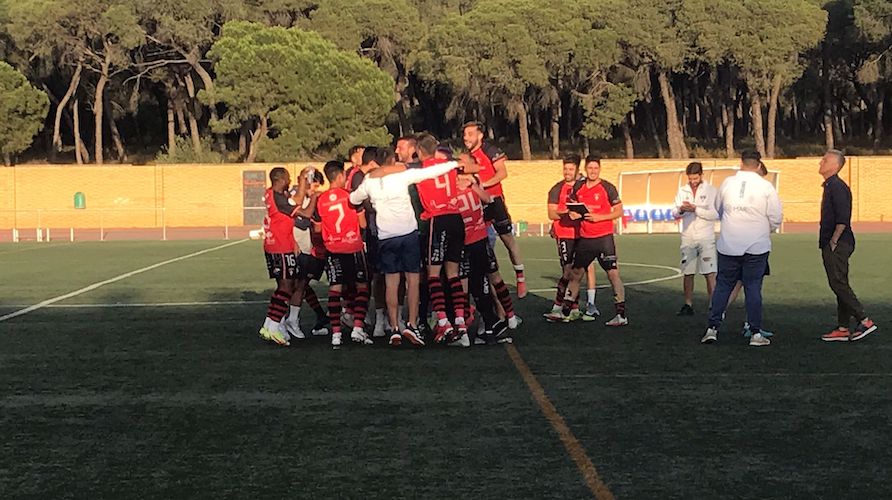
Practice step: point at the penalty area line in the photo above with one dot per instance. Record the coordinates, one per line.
(99, 284)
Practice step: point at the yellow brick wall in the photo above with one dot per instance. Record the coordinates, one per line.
(211, 195)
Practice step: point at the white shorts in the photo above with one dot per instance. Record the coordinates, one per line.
(698, 257)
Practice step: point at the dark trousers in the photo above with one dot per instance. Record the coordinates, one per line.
(836, 264)
(749, 269)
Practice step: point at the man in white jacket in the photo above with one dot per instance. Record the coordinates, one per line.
(750, 210)
(695, 208)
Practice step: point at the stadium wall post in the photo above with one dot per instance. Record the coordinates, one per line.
(101, 225)
(15, 235)
(39, 235)
(226, 225)
(163, 224)
(48, 235)
(71, 235)
(541, 229)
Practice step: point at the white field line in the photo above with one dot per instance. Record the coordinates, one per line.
(675, 270)
(99, 284)
(51, 304)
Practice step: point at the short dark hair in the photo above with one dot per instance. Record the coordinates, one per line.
(593, 158)
(332, 169)
(369, 154)
(694, 168)
(408, 138)
(751, 158)
(446, 150)
(478, 125)
(277, 174)
(354, 149)
(573, 159)
(386, 156)
(427, 143)
(318, 177)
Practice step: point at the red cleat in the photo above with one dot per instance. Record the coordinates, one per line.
(442, 332)
(837, 336)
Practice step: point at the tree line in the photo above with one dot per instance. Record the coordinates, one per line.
(271, 80)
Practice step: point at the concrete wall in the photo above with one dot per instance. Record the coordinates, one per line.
(211, 195)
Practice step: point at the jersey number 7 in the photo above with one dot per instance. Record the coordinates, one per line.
(339, 208)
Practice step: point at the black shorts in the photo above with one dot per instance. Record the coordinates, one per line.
(767, 268)
(589, 249)
(310, 268)
(479, 256)
(346, 268)
(446, 240)
(566, 250)
(401, 254)
(281, 266)
(497, 213)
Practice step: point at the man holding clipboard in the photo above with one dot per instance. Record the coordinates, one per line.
(596, 204)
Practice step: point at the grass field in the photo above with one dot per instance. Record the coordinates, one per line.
(185, 401)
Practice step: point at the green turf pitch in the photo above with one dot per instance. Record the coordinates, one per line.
(186, 401)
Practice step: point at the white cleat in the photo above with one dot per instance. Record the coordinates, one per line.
(336, 339)
(462, 341)
(759, 340)
(320, 332)
(360, 337)
(554, 311)
(710, 337)
(514, 322)
(294, 330)
(618, 321)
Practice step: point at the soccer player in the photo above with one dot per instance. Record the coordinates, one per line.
(492, 171)
(399, 246)
(481, 264)
(749, 209)
(372, 158)
(346, 261)
(445, 244)
(695, 207)
(837, 243)
(278, 246)
(310, 261)
(566, 233)
(600, 203)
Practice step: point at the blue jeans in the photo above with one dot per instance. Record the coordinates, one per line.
(748, 268)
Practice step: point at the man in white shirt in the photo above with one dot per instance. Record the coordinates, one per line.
(399, 249)
(695, 208)
(750, 210)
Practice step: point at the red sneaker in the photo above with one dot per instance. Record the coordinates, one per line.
(837, 335)
(442, 332)
(864, 329)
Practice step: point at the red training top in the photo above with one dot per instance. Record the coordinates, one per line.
(278, 236)
(438, 196)
(565, 228)
(472, 214)
(340, 222)
(487, 155)
(599, 199)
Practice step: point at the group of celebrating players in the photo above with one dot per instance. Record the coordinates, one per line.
(411, 228)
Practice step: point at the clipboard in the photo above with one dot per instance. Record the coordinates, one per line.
(579, 208)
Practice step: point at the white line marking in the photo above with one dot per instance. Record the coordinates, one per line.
(675, 270)
(51, 304)
(94, 286)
